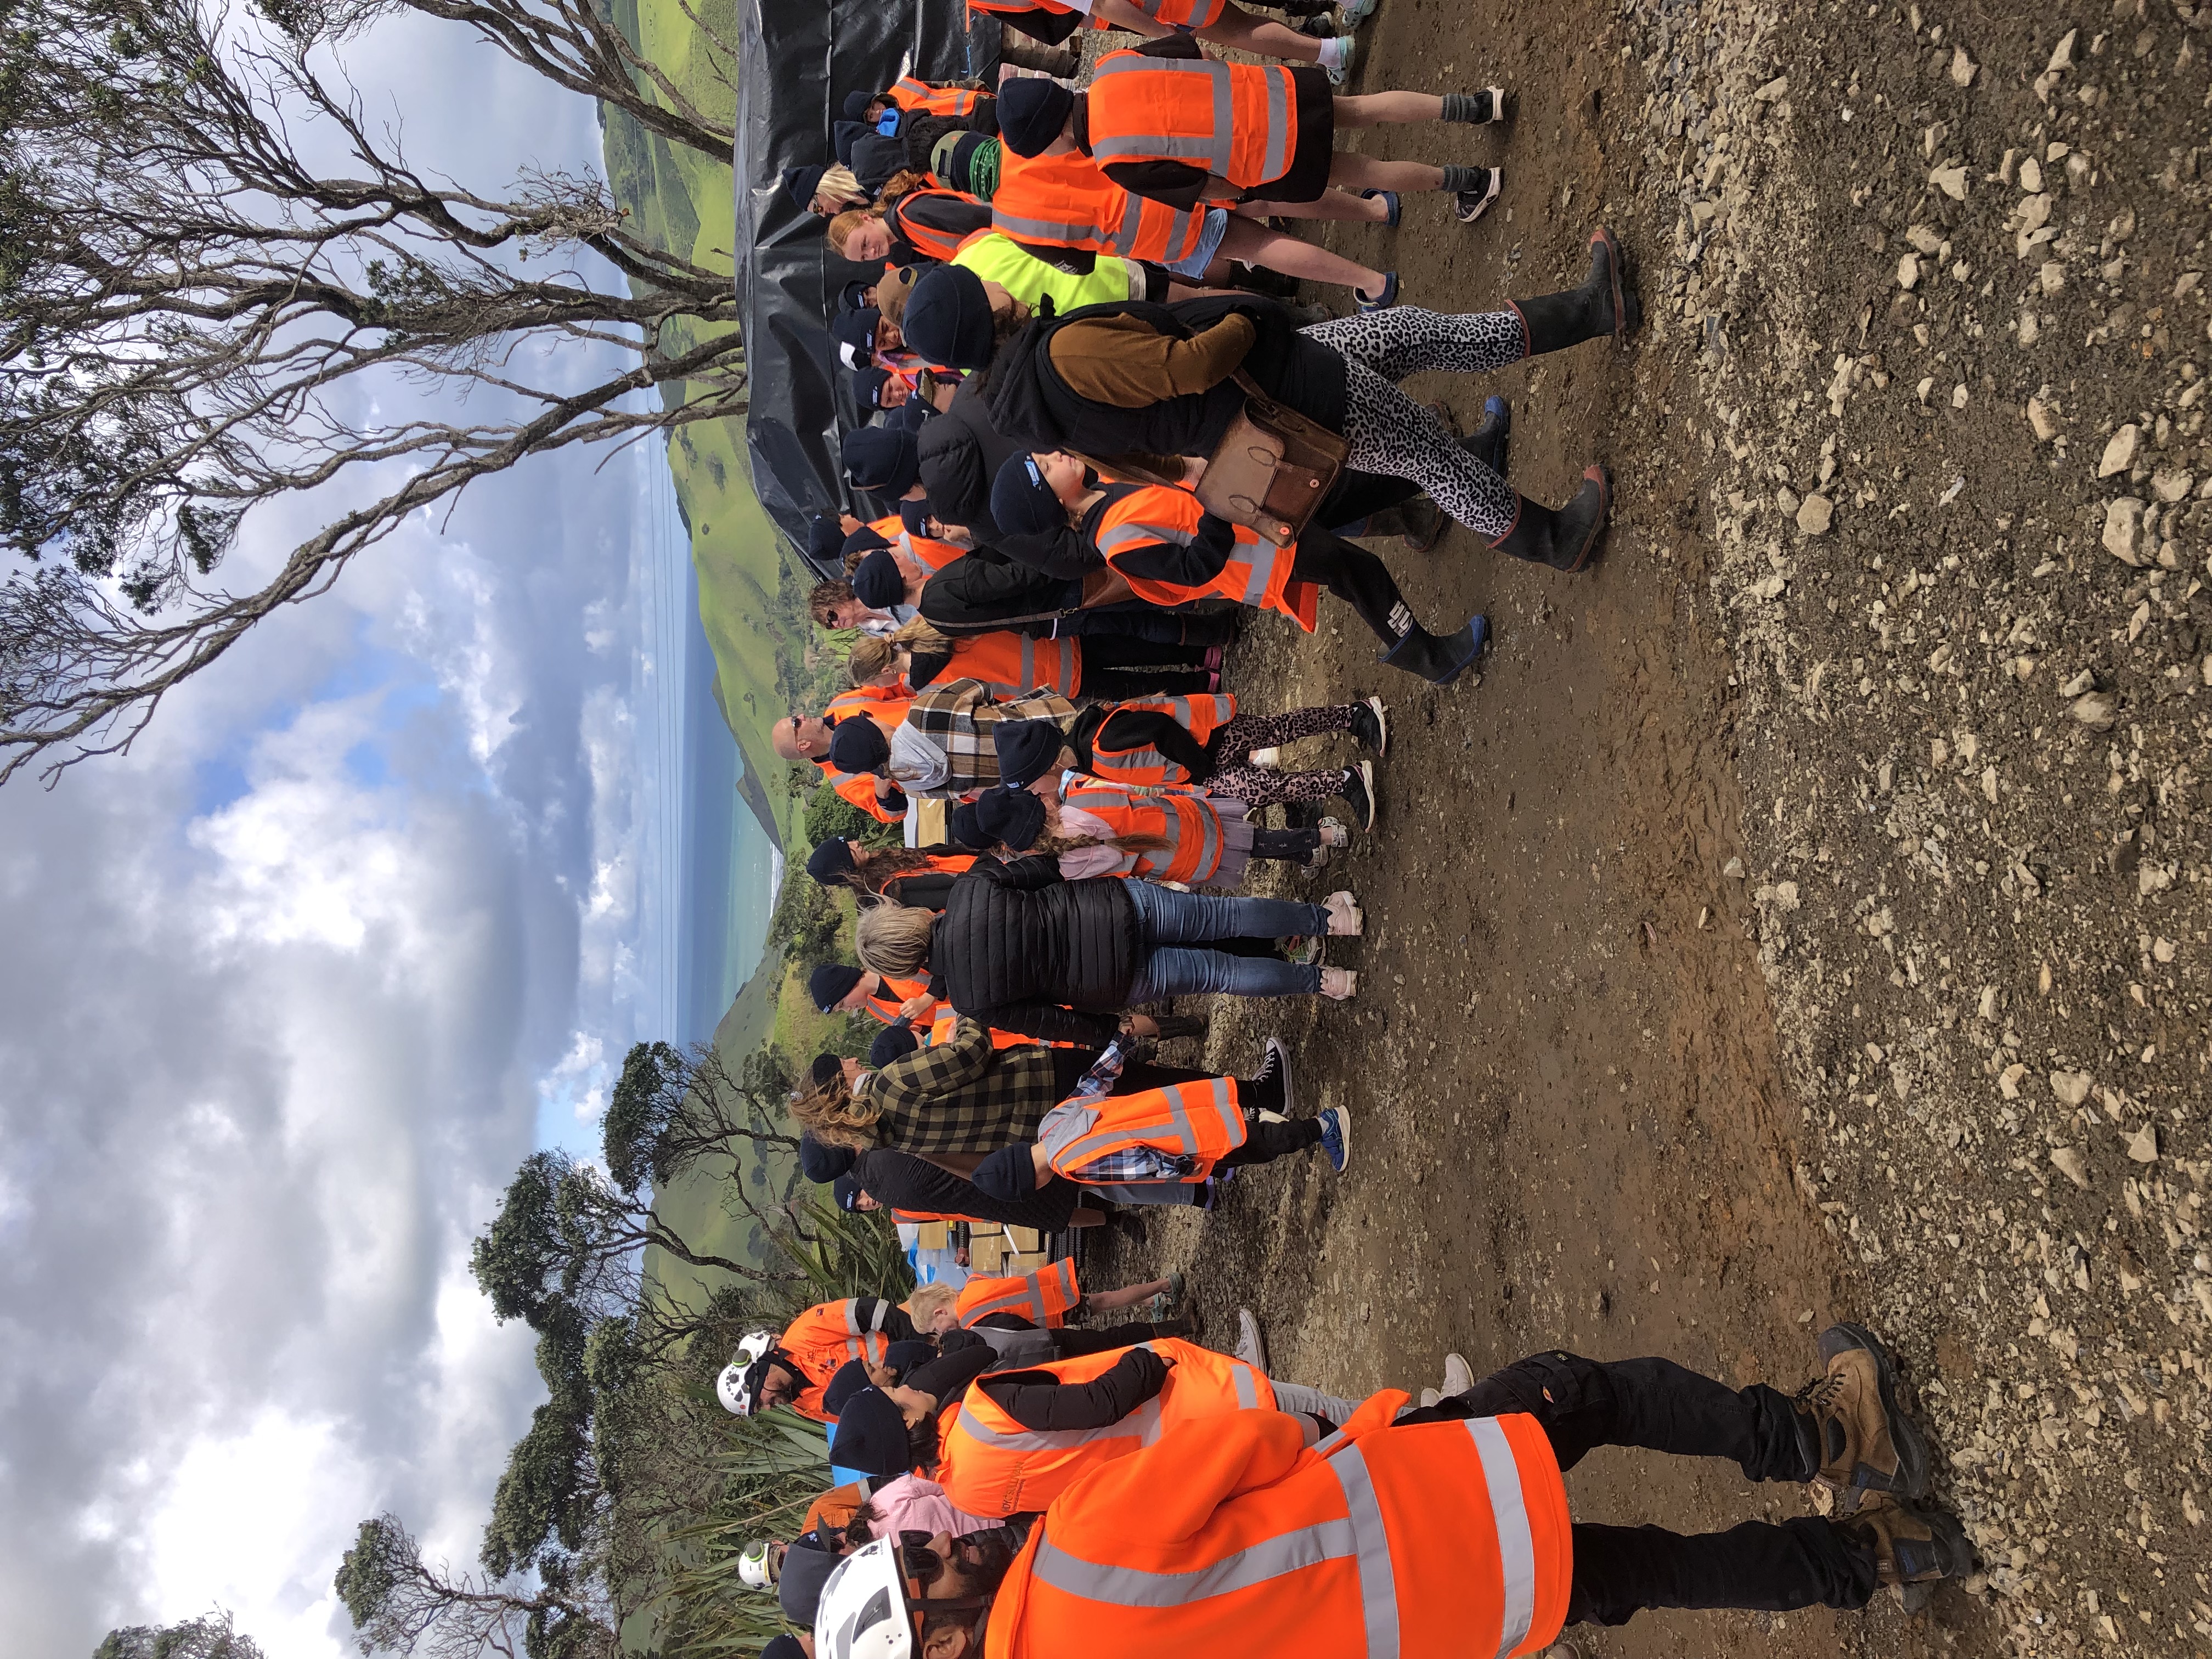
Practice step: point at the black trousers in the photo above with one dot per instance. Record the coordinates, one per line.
(1266, 1142)
(1660, 1407)
(1356, 576)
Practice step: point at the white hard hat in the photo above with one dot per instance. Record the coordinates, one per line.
(730, 1387)
(757, 1566)
(863, 1611)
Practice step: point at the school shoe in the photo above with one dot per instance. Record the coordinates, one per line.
(1459, 1375)
(1492, 439)
(1345, 919)
(1915, 1546)
(1340, 984)
(1472, 204)
(1860, 1440)
(1563, 538)
(1251, 1346)
(1391, 200)
(1606, 304)
(1371, 724)
(1358, 792)
(1336, 1137)
(1384, 301)
(1274, 1057)
(1439, 659)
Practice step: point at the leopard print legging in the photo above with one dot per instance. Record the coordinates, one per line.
(1390, 433)
(1270, 785)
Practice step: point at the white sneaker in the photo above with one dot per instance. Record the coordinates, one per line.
(1251, 1346)
(1340, 984)
(1265, 757)
(1459, 1375)
(1429, 1397)
(1345, 918)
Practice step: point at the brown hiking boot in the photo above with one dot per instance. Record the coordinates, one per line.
(1863, 1442)
(1915, 1546)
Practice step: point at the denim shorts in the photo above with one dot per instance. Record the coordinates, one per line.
(1209, 243)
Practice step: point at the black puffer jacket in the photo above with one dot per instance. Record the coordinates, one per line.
(1021, 949)
(961, 456)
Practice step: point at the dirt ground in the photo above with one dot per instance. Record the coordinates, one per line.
(1806, 914)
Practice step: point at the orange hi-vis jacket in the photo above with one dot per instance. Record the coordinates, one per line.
(1044, 1297)
(1437, 1540)
(1199, 1119)
(989, 1464)
(823, 1337)
(1013, 664)
(1182, 14)
(910, 94)
(930, 553)
(889, 528)
(1145, 767)
(1189, 823)
(946, 1017)
(886, 706)
(1236, 121)
(891, 995)
(1257, 573)
(1064, 201)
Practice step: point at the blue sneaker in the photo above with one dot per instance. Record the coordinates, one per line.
(1336, 1138)
(1389, 297)
(1357, 12)
(1390, 200)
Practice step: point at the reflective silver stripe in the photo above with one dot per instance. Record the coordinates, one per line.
(1042, 230)
(1067, 648)
(1277, 160)
(853, 1313)
(1063, 1126)
(1144, 1423)
(1209, 846)
(1378, 1585)
(1214, 148)
(1248, 1392)
(1029, 662)
(1232, 1114)
(1132, 1587)
(1509, 1514)
(1129, 531)
(1256, 577)
(883, 1312)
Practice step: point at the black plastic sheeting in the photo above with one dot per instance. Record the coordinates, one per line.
(800, 58)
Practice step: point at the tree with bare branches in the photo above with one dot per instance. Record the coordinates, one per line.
(400, 1603)
(197, 322)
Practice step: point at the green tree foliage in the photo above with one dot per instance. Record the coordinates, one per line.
(829, 813)
(807, 920)
(210, 1636)
(671, 1111)
(399, 1603)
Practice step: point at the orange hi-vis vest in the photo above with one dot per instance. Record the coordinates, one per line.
(886, 706)
(946, 1017)
(1189, 825)
(889, 528)
(930, 244)
(989, 1464)
(1199, 1120)
(1257, 573)
(823, 1337)
(1180, 14)
(930, 553)
(1013, 664)
(1435, 1541)
(1144, 767)
(891, 995)
(1236, 121)
(1044, 1298)
(910, 94)
(1064, 201)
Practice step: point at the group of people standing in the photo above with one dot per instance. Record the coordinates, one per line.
(1064, 335)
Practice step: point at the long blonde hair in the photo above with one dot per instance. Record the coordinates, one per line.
(872, 657)
(835, 1116)
(893, 939)
(838, 181)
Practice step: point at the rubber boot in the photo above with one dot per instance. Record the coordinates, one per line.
(1437, 658)
(1419, 525)
(1489, 441)
(1060, 62)
(1180, 1025)
(1564, 539)
(1605, 304)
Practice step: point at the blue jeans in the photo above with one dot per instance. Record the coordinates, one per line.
(1170, 922)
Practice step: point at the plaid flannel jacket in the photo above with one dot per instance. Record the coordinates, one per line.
(964, 1096)
(957, 718)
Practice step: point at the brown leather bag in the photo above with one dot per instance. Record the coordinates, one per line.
(1272, 468)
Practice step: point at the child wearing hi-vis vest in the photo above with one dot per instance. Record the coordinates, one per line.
(1244, 143)
(1149, 1145)
(1171, 551)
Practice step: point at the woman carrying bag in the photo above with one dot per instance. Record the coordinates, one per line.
(1134, 381)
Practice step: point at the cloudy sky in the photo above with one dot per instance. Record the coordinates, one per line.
(288, 992)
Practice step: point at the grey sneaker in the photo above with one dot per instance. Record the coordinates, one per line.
(1459, 1375)
(1251, 1346)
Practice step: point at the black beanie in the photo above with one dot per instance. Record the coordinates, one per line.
(842, 1191)
(799, 184)
(830, 984)
(821, 1165)
(877, 582)
(856, 104)
(915, 516)
(881, 458)
(864, 539)
(1015, 817)
(1026, 750)
(948, 319)
(858, 294)
(1009, 1175)
(868, 386)
(871, 1435)
(843, 136)
(893, 1043)
(960, 824)
(829, 864)
(1022, 503)
(827, 1069)
(1031, 112)
(858, 746)
(784, 1646)
(825, 539)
